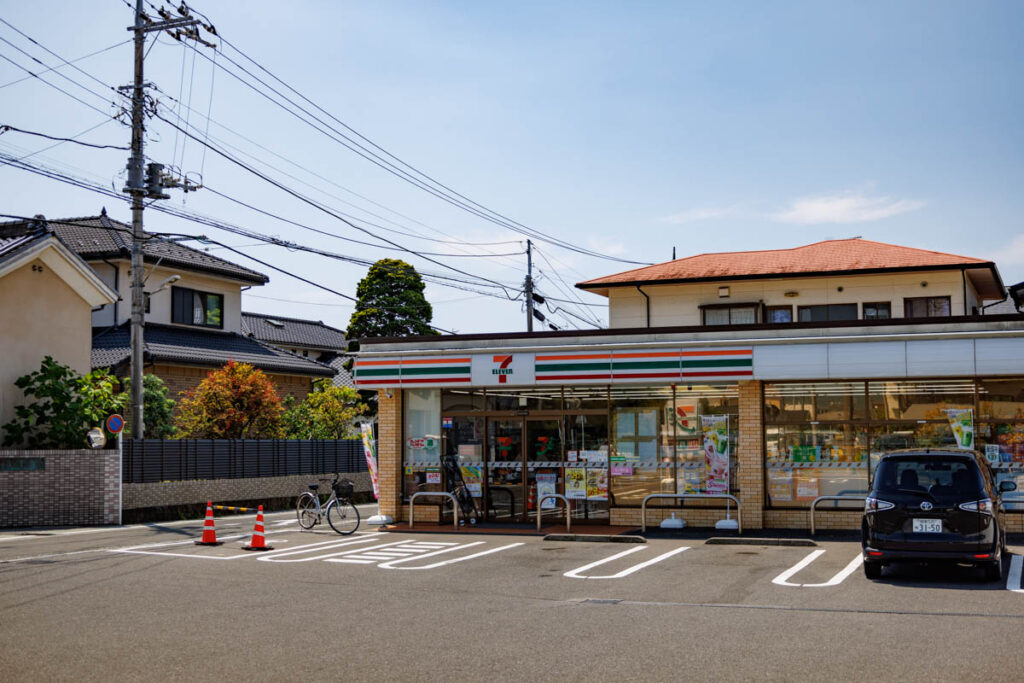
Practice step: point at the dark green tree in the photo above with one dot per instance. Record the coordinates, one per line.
(391, 303)
(64, 406)
(157, 407)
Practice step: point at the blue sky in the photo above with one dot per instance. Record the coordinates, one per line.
(626, 128)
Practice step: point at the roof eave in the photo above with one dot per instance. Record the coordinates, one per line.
(604, 287)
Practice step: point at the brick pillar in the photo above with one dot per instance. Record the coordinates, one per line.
(751, 453)
(389, 451)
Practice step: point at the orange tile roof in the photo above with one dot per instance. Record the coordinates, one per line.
(829, 256)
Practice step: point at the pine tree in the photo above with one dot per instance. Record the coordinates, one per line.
(391, 303)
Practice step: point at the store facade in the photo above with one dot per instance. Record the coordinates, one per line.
(775, 415)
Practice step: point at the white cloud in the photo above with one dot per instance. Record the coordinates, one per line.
(701, 214)
(844, 207)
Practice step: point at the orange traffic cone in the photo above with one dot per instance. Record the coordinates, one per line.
(258, 542)
(209, 532)
(532, 499)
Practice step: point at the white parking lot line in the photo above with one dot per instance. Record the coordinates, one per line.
(576, 573)
(1013, 578)
(783, 578)
(391, 565)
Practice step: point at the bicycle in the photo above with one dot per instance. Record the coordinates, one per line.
(341, 513)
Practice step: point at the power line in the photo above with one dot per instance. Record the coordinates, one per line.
(429, 185)
(6, 127)
(67, 62)
(319, 206)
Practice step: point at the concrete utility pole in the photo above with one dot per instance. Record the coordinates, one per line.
(528, 286)
(139, 190)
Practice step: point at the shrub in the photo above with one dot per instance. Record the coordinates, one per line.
(237, 401)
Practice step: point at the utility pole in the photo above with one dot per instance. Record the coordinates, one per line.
(528, 286)
(139, 189)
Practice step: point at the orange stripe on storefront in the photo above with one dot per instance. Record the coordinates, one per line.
(666, 354)
(366, 363)
(584, 356)
(433, 361)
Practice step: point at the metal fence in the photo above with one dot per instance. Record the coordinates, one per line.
(153, 460)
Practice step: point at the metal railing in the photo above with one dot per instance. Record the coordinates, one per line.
(558, 496)
(693, 496)
(814, 504)
(455, 504)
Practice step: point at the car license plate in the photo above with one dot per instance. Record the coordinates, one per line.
(928, 526)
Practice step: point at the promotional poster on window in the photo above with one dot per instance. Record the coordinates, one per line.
(715, 430)
(961, 421)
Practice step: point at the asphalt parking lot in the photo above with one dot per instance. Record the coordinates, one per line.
(145, 602)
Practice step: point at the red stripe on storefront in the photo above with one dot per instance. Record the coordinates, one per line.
(366, 363)
(433, 361)
(722, 373)
(586, 356)
(551, 377)
(651, 375)
(669, 354)
(435, 380)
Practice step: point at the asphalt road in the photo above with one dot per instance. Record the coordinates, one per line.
(145, 603)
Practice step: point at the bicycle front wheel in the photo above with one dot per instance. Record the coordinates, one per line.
(343, 517)
(305, 510)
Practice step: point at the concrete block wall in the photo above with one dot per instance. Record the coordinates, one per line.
(75, 488)
(224, 491)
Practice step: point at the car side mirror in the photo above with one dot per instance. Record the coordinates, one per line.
(1007, 486)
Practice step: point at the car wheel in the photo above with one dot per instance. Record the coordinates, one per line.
(873, 570)
(994, 571)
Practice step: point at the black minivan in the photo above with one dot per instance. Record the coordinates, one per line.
(935, 505)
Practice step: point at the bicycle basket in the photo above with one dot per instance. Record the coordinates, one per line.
(344, 489)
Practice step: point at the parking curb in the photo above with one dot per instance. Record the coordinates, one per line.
(595, 538)
(725, 540)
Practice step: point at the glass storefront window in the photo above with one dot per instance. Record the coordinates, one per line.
(422, 466)
(804, 402)
(533, 400)
(1001, 399)
(692, 402)
(461, 400)
(806, 461)
(919, 400)
(641, 457)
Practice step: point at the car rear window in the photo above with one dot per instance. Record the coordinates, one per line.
(934, 475)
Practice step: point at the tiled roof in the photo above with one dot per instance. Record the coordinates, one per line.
(344, 377)
(14, 238)
(830, 256)
(99, 237)
(293, 331)
(208, 348)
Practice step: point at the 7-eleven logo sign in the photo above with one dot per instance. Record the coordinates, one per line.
(503, 371)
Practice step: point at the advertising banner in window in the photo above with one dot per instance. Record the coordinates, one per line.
(961, 421)
(715, 430)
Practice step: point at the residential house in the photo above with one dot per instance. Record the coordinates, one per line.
(47, 294)
(773, 376)
(193, 309)
(306, 338)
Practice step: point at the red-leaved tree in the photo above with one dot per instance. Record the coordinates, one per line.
(237, 401)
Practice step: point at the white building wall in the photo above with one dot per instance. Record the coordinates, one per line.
(679, 305)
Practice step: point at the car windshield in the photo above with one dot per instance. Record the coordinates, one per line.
(929, 476)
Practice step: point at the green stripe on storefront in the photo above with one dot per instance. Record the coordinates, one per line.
(720, 363)
(564, 367)
(647, 365)
(446, 370)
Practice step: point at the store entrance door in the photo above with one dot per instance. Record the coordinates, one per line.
(543, 440)
(504, 495)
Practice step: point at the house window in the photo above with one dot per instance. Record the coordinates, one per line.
(780, 314)
(730, 314)
(879, 310)
(191, 307)
(926, 307)
(827, 313)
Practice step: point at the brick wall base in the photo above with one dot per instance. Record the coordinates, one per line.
(176, 493)
(75, 488)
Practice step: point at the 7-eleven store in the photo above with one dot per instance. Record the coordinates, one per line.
(607, 417)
